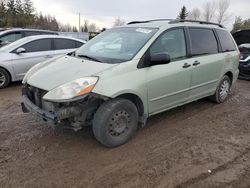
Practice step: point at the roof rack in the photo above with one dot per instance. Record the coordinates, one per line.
(172, 21)
(148, 21)
(195, 21)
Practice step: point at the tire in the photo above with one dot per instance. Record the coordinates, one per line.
(4, 78)
(115, 122)
(222, 90)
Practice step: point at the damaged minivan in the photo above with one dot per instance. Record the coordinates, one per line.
(127, 74)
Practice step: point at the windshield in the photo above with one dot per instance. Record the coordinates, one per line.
(16, 44)
(116, 45)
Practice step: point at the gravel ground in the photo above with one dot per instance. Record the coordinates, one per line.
(197, 145)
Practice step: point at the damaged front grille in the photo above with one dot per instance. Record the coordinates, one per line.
(35, 94)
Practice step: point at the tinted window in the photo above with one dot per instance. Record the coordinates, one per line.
(61, 44)
(78, 44)
(38, 45)
(203, 41)
(172, 43)
(226, 41)
(11, 37)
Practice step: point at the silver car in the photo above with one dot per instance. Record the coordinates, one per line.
(18, 57)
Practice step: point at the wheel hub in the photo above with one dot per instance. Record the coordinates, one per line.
(224, 90)
(2, 79)
(119, 123)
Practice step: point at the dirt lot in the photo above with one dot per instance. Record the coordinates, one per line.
(198, 145)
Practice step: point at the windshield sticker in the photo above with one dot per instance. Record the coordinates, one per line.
(142, 30)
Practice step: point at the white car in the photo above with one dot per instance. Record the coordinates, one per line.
(18, 57)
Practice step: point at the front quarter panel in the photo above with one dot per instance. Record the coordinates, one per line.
(123, 79)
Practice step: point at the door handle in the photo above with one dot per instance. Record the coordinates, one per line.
(196, 63)
(186, 65)
(48, 56)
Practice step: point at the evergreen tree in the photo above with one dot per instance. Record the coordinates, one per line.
(183, 13)
(3, 14)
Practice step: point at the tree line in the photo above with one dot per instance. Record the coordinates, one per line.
(214, 11)
(22, 13)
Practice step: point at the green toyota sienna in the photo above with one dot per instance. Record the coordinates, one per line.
(117, 80)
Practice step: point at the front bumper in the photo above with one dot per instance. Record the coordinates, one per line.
(244, 71)
(29, 106)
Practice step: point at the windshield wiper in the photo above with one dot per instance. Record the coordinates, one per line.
(89, 57)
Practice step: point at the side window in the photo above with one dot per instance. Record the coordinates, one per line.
(203, 41)
(61, 44)
(38, 46)
(226, 41)
(11, 37)
(78, 44)
(173, 43)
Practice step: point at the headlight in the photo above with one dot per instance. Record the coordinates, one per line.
(72, 89)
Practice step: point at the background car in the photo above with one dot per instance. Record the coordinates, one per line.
(242, 36)
(11, 35)
(18, 57)
(244, 61)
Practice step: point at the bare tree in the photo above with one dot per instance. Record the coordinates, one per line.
(119, 22)
(195, 14)
(222, 8)
(209, 9)
(92, 27)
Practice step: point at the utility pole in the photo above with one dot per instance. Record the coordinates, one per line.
(79, 22)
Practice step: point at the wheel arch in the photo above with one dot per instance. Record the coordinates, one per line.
(141, 107)
(230, 75)
(11, 78)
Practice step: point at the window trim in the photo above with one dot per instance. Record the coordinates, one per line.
(200, 55)
(143, 62)
(14, 51)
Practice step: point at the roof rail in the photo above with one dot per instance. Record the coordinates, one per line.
(172, 21)
(195, 21)
(147, 21)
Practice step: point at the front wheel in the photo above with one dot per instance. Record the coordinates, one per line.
(222, 90)
(4, 78)
(115, 122)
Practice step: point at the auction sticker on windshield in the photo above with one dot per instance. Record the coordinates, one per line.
(142, 30)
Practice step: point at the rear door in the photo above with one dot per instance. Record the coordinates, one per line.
(64, 46)
(36, 51)
(206, 60)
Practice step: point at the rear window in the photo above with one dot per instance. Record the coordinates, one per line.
(226, 41)
(203, 41)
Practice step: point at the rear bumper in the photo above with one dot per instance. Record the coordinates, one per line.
(29, 106)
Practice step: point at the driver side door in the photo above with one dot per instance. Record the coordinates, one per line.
(168, 84)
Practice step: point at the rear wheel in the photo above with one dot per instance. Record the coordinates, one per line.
(115, 122)
(222, 90)
(4, 78)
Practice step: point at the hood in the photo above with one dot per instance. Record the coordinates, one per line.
(63, 70)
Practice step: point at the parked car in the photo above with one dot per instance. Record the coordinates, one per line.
(242, 36)
(158, 65)
(18, 57)
(244, 61)
(11, 35)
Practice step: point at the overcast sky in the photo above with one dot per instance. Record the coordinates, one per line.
(103, 13)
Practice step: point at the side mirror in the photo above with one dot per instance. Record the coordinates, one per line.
(159, 59)
(20, 51)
